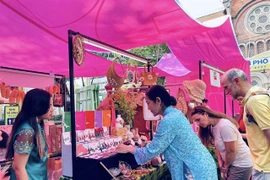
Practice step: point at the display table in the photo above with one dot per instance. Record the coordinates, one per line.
(93, 170)
(156, 173)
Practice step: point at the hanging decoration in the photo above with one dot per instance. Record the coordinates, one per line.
(113, 78)
(149, 78)
(78, 50)
(181, 101)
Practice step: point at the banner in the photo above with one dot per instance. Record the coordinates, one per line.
(260, 64)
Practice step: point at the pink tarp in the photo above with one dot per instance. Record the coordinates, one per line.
(33, 34)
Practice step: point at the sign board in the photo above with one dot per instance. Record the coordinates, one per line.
(11, 113)
(214, 78)
(259, 64)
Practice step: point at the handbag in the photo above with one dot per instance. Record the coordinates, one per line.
(149, 78)
(114, 80)
(58, 100)
(181, 101)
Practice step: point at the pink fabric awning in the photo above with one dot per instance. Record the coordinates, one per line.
(33, 34)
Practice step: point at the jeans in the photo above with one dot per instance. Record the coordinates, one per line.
(259, 175)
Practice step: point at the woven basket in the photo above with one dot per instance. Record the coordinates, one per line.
(114, 80)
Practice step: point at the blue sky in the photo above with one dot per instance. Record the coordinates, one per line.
(199, 8)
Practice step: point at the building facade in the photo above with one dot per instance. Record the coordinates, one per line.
(251, 21)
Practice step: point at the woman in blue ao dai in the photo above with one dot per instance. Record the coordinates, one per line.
(175, 139)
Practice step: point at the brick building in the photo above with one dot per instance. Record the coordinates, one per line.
(251, 21)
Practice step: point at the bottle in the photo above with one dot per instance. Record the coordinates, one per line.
(119, 121)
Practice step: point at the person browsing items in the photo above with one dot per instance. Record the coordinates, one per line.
(175, 139)
(27, 143)
(215, 127)
(256, 118)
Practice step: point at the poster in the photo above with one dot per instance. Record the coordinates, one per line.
(214, 78)
(11, 113)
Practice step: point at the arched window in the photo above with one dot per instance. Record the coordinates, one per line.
(268, 45)
(242, 48)
(251, 50)
(260, 47)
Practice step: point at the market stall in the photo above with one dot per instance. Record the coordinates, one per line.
(12, 93)
(93, 135)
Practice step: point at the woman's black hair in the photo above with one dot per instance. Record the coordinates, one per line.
(173, 101)
(205, 100)
(3, 143)
(159, 91)
(35, 104)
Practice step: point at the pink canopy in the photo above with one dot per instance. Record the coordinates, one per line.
(33, 35)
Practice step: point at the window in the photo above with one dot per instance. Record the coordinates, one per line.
(268, 45)
(251, 50)
(258, 20)
(260, 47)
(242, 48)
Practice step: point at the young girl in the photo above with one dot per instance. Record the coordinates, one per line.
(27, 143)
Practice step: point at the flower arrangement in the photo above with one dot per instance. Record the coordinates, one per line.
(125, 104)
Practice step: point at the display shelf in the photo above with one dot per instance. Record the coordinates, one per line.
(160, 172)
(84, 167)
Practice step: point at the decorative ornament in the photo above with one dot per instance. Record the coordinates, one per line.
(78, 50)
(181, 101)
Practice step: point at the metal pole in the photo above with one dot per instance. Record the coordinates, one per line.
(151, 123)
(200, 69)
(72, 103)
(103, 45)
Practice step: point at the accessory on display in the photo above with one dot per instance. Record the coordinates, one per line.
(195, 89)
(149, 78)
(181, 101)
(78, 50)
(58, 100)
(113, 78)
(130, 75)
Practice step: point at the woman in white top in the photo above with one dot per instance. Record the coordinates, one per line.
(234, 160)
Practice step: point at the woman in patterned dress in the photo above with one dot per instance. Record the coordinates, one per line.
(175, 139)
(27, 144)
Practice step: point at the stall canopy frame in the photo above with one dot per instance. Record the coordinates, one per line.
(101, 45)
(203, 64)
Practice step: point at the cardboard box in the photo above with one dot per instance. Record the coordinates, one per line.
(47, 127)
(52, 130)
(54, 163)
(80, 120)
(59, 130)
(49, 141)
(56, 143)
